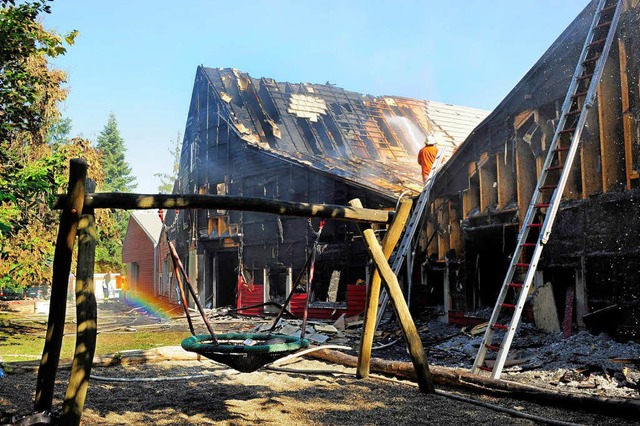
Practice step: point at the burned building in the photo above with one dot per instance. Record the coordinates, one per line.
(481, 196)
(314, 143)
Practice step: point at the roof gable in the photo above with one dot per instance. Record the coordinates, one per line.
(149, 222)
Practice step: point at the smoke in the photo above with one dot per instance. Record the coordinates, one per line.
(406, 127)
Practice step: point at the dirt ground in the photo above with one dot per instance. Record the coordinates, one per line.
(205, 392)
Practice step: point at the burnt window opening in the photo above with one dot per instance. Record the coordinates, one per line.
(390, 135)
(253, 275)
(334, 131)
(488, 252)
(279, 283)
(562, 280)
(336, 108)
(328, 286)
(309, 136)
(371, 149)
(326, 139)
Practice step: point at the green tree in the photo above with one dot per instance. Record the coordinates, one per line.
(31, 171)
(25, 78)
(118, 177)
(167, 180)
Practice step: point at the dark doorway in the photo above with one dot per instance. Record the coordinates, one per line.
(488, 251)
(226, 278)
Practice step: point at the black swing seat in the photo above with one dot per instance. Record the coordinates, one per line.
(233, 351)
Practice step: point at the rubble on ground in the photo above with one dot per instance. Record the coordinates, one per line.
(583, 362)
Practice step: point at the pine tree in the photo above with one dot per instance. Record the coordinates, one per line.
(116, 169)
(118, 178)
(167, 180)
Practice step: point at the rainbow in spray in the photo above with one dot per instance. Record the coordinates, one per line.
(152, 306)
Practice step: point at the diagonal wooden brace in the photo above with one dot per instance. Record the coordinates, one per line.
(414, 344)
(373, 290)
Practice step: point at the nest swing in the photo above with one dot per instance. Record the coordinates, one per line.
(244, 352)
(232, 349)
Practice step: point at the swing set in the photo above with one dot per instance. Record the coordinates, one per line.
(242, 351)
(245, 352)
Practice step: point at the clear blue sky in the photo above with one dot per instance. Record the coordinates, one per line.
(138, 58)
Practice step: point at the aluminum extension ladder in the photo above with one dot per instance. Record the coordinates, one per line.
(410, 231)
(545, 201)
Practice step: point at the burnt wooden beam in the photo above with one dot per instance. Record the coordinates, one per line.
(590, 160)
(506, 179)
(627, 118)
(442, 215)
(446, 376)
(456, 240)
(487, 174)
(471, 194)
(526, 177)
(431, 246)
(609, 110)
(117, 200)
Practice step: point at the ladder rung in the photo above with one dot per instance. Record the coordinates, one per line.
(485, 368)
(544, 187)
(578, 95)
(515, 285)
(604, 24)
(508, 305)
(569, 130)
(529, 245)
(500, 326)
(562, 148)
(574, 112)
(522, 265)
(535, 225)
(542, 205)
(593, 59)
(493, 347)
(584, 77)
(597, 42)
(558, 167)
(608, 8)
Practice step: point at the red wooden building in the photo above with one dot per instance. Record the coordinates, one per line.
(140, 252)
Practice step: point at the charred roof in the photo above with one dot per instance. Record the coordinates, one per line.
(361, 138)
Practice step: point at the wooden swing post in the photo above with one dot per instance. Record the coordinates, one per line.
(87, 319)
(414, 344)
(71, 211)
(373, 291)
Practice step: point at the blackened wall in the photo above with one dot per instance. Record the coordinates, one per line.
(216, 158)
(604, 232)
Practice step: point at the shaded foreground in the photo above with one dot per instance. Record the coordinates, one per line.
(218, 395)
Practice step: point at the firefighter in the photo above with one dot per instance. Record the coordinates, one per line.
(427, 156)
